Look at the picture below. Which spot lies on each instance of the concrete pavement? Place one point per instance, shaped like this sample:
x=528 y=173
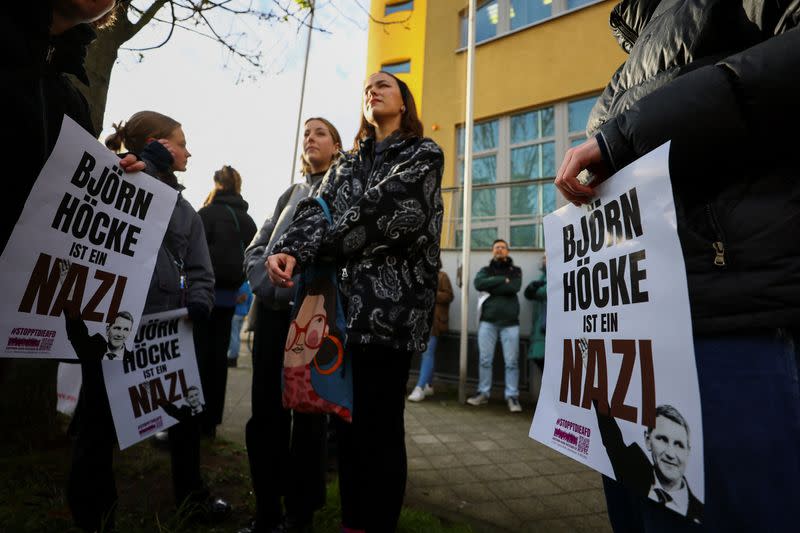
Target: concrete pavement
x=473 y=465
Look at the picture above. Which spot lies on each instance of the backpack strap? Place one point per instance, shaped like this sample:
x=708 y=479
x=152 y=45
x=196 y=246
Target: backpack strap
x=325 y=209
x=238 y=229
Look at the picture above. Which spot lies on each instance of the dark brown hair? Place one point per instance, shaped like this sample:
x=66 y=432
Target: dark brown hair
x=410 y=124
x=141 y=126
x=337 y=139
x=226 y=179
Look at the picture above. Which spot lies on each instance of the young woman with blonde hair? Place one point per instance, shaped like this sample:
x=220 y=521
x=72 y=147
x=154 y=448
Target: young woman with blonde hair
x=386 y=205
x=287 y=450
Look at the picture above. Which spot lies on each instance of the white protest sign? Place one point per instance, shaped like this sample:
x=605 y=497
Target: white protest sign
x=620 y=391
x=68 y=387
x=161 y=367
x=87 y=238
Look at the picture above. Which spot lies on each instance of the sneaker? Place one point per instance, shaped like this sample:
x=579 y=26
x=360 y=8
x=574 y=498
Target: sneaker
x=478 y=399
x=428 y=390
x=417 y=395
x=513 y=405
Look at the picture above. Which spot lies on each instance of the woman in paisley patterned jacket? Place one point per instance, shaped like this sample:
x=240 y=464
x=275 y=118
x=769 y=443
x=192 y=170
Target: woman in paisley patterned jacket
x=386 y=206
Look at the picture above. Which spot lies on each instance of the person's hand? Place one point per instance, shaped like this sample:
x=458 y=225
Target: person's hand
x=131 y=163
x=280 y=268
x=585 y=156
x=179 y=414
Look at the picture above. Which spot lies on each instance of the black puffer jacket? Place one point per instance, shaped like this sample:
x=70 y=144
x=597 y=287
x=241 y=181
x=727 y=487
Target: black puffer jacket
x=37 y=94
x=229 y=229
x=720 y=79
x=386 y=206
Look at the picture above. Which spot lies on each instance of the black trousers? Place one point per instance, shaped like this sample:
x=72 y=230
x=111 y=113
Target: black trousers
x=372 y=449
x=211 y=344
x=287 y=450
x=91 y=488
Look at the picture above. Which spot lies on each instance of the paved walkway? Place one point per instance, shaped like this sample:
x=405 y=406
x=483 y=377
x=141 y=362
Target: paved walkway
x=473 y=465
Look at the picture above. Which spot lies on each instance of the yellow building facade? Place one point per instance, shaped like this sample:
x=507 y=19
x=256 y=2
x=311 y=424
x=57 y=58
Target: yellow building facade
x=539 y=67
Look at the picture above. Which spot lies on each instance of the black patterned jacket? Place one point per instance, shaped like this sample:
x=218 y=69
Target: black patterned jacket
x=387 y=222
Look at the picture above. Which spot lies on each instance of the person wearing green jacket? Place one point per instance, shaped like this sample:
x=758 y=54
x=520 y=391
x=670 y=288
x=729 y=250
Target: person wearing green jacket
x=500 y=282
x=537 y=292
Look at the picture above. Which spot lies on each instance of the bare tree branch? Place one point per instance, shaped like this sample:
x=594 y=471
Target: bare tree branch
x=166 y=39
x=146 y=16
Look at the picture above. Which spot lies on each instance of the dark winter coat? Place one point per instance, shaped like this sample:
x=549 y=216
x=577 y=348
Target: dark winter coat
x=386 y=206
x=502 y=280
x=183 y=251
x=227 y=237
x=720 y=79
x=37 y=94
x=537 y=291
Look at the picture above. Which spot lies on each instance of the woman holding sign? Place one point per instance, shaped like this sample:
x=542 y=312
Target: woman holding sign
x=734 y=176
x=182 y=278
x=385 y=202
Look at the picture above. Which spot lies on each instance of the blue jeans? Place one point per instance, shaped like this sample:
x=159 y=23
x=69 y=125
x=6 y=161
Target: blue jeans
x=236 y=341
x=426 y=365
x=487 y=340
x=751 y=431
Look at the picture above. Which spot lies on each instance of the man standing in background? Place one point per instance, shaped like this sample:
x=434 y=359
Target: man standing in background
x=499 y=316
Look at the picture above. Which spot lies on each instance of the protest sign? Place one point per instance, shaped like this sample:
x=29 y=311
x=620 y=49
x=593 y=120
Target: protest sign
x=68 y=387
x=87 y=239
x=620 y=391
x=162 y=367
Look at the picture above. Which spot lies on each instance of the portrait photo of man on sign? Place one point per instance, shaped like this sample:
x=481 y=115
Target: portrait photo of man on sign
x=662 y=477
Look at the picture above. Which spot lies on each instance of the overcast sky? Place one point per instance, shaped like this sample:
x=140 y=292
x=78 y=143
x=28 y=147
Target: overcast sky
x=249 y=125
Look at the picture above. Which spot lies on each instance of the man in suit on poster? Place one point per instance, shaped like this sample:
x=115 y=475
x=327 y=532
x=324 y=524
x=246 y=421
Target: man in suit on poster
x=661 y=480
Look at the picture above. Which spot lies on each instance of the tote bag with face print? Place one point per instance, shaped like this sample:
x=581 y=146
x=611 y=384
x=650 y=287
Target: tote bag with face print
x=317 y=374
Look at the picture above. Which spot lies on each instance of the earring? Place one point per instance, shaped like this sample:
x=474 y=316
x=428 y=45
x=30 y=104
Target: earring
x=402 y=109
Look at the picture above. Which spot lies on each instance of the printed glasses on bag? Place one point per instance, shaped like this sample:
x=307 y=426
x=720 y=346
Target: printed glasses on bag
x=314 y=330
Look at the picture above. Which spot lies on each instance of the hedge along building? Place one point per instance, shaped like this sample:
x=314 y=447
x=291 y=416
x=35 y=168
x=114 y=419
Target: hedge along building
x=539 y=67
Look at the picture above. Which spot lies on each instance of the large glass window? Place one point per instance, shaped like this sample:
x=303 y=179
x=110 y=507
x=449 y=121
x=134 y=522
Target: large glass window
x=497 y=17
x=400 y=67
x=575 y=4
x=514 y=163
x=395 y=8
x=487 y=18
x=524 y=12
x=577 y=117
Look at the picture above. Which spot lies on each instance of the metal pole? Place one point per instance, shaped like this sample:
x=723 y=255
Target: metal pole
x=466 y=214
x=302 y=97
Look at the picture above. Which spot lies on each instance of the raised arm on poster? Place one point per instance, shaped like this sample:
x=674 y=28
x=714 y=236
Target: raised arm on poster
x=620 y=391
x=157 y=384
x=87 y=238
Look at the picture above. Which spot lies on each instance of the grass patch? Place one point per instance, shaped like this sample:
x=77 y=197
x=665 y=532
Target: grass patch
x=32 y=495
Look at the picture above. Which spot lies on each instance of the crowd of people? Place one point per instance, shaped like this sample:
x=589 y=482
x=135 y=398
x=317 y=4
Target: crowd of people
x=376 y=212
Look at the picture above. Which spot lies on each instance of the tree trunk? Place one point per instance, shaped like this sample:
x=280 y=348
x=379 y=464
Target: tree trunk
x=99 y=64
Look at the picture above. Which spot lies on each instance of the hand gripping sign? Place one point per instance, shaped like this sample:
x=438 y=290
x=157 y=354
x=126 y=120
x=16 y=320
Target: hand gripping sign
x=87 y=239
x=620 y=391
x=157 y=384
